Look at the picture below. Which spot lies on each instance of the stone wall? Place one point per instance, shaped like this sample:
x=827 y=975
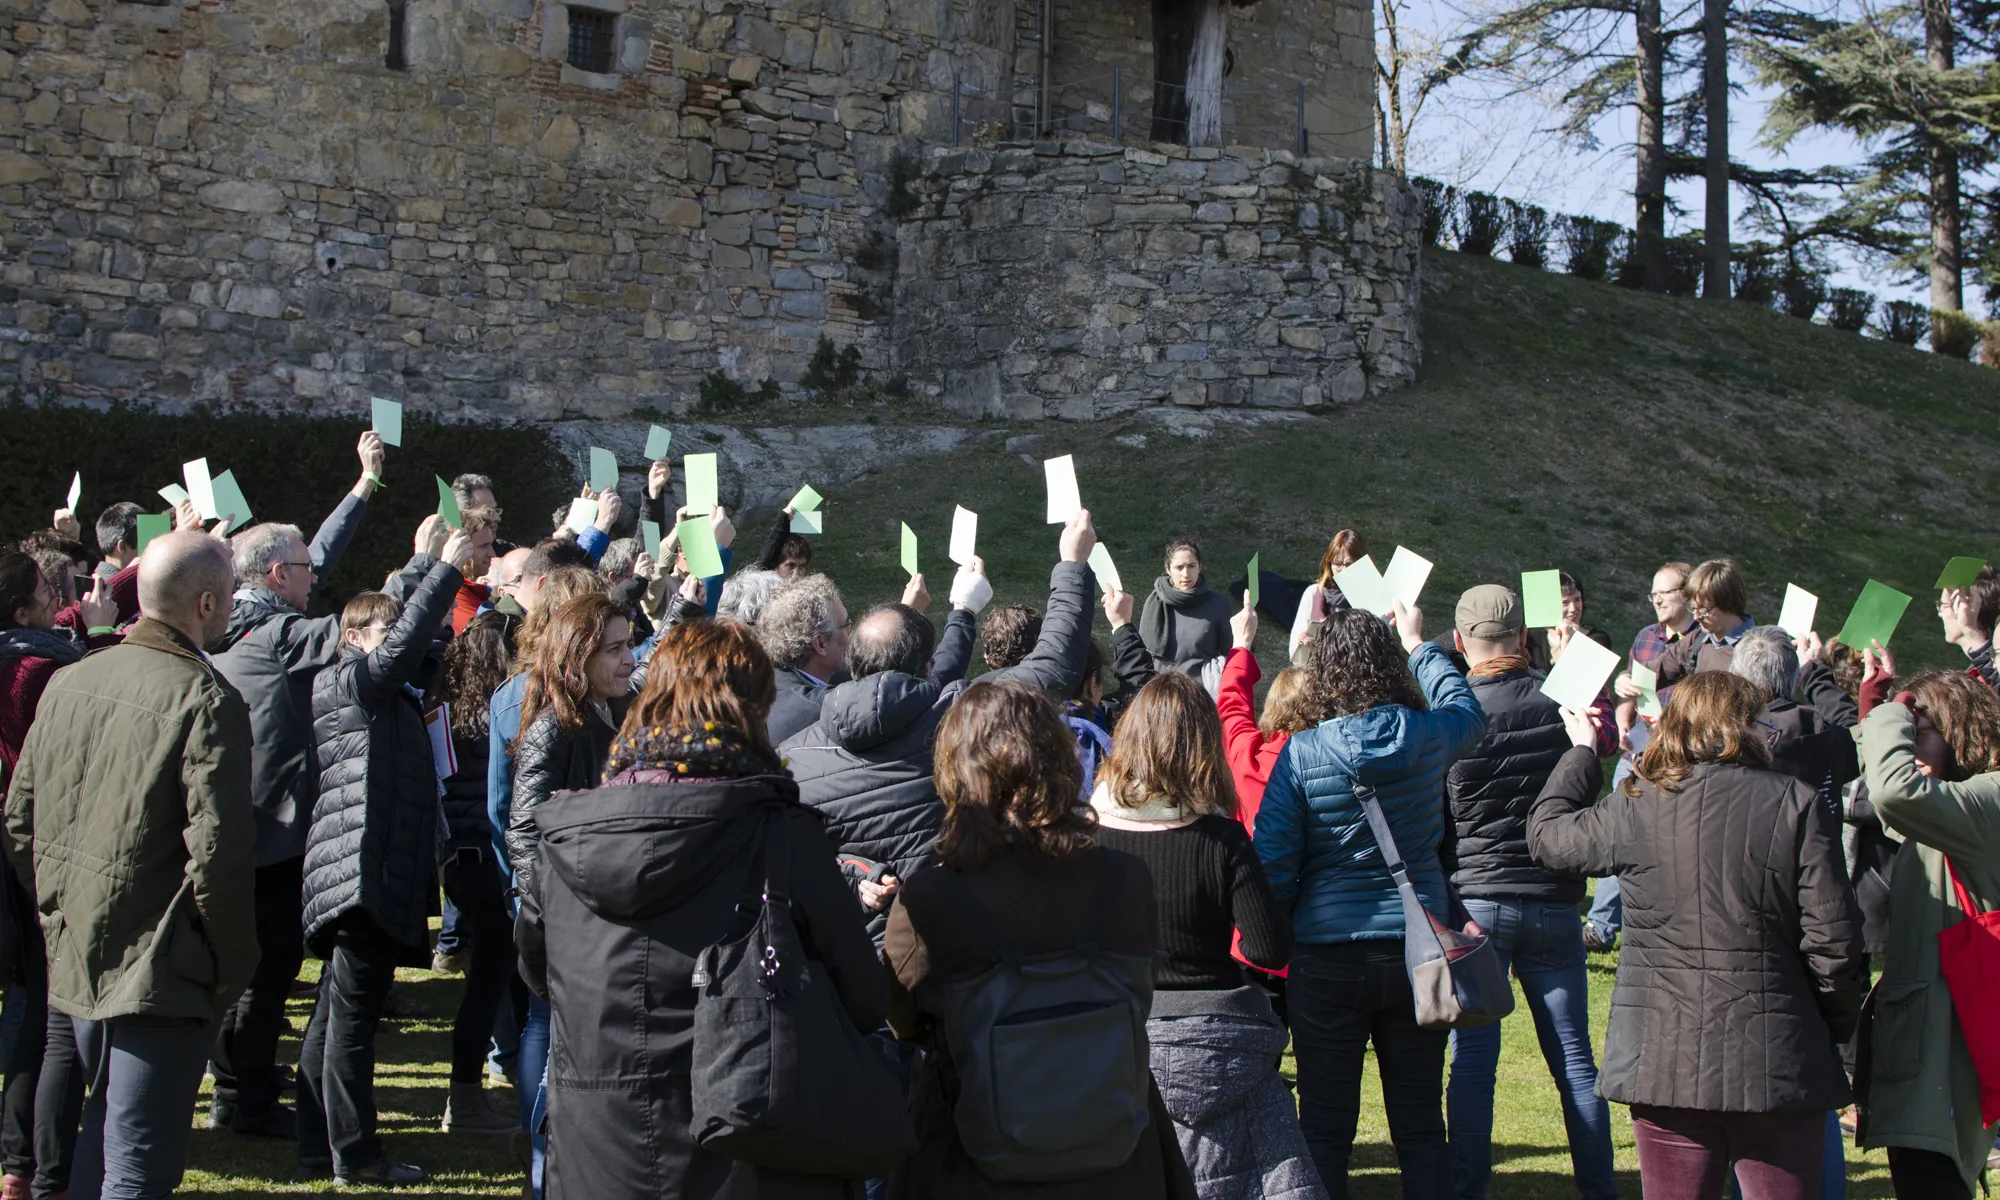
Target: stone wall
x=263 y=201
x=1084 y=279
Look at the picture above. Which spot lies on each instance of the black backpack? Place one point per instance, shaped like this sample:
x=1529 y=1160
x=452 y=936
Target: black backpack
x=782 y=1079
x=1050 y=1052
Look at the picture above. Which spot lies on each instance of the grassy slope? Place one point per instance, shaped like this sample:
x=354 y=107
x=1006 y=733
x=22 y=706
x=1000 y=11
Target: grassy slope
x=1558 y=423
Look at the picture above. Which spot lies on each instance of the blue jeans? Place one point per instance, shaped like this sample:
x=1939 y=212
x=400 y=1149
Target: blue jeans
x=1833 y=1165
x=144 y=1075
x=532 y=1082
x=1545 y=945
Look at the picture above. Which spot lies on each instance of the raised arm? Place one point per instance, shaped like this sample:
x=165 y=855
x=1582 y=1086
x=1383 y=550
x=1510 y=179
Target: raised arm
x=1958 y=818
x=1565 y=831
x=400 y=657
x=1235 y=700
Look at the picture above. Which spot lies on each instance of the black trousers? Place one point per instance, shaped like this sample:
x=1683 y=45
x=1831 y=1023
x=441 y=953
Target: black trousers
x=337 y=1061
x=1925 y=1175
x=1340 y=997
x=246 y=1045
x=41 y=1105
x=472 y=885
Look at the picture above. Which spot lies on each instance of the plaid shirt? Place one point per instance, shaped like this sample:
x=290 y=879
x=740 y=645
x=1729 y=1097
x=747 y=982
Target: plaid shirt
x=1651 y=645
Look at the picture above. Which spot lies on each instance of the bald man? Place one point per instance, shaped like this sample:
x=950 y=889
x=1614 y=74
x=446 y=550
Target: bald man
x=129 y=821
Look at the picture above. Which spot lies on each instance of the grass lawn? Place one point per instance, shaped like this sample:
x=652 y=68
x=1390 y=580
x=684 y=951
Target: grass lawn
x=1531 y=1157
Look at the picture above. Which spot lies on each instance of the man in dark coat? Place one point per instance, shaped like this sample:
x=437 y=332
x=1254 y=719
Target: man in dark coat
x=804 y=630
x=865 y=764
x=271 y=654
x=1803 y=745
x=370 y=855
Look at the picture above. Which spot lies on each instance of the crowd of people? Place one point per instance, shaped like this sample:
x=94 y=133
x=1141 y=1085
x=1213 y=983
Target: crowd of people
x=754 y=894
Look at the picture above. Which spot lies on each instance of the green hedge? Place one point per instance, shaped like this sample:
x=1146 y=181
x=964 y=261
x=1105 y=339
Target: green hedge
x=292 y=468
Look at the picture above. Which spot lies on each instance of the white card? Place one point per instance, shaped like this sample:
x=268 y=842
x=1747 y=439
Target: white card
x=1406 y=575
x=1364 y=587
x=200 y=488
x=810 y=521
x=1579 y=675
x=1801 y=606
x=75 y=490
x=1101 y=565
x=1064 y=499
x=173 y=494
x=964 y=534
x=582 y=514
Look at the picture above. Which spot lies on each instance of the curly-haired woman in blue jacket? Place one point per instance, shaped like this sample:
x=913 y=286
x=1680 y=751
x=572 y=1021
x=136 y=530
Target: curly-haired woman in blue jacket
x=1394 y=724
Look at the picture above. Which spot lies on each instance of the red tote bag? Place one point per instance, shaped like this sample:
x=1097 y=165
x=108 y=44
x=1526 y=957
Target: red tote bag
x=1969 y=952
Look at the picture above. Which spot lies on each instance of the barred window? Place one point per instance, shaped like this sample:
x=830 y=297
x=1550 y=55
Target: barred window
x=593 y=40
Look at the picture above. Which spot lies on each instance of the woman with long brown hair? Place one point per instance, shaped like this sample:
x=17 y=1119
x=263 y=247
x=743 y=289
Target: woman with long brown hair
x=1742 y=969
x=1322 y=596
x=1165 y=797
x=641 y=874
x=1018 y=875
x=1932 y=757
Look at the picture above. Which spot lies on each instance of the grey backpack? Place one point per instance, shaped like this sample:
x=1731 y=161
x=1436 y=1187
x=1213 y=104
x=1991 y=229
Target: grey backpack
x=1050 y=1053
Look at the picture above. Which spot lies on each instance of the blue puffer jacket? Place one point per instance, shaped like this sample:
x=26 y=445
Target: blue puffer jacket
x=1311 y=834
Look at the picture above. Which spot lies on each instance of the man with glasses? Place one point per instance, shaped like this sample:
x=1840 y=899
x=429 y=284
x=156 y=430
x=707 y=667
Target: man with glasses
x=271 y=654
x=1676 y=622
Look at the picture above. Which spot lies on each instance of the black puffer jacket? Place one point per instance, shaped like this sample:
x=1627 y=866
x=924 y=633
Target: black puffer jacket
x=546 y=761
x=639 y=876
x=373 y=839
x=466 y=824
x=1822 y=757
x=1742 y=969
x=1493 y=787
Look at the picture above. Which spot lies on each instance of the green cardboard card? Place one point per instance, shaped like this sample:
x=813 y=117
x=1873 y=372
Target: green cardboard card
x=1362 y=584
x=698 y=476
x=650 y=530
x=809 y=522
x=1408 y=572
x=1649 y=688
x=1541 y=599
x=964 y=535
x=1801 y=606
x=75 y=491
x=658 y=441
x=448 y=504
x=909 y=549
x=200 y=488
x=807 y=500
x=1250 y=586
x=174 y=494
x=1958 y=573
x=153 y=525
x=603 y=469
x=388 y=420
x=697 y=539
x=582 y=514
x=229 y=502
x=1105 y=570
x=1874 y=617
x=1579 y=675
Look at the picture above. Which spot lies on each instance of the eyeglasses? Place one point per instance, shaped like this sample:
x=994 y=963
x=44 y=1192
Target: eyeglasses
x=1657 y=596
x=1699 y=608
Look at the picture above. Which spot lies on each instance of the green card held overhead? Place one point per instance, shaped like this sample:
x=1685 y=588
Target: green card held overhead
x=582 y=514
x=1541 y=599
x=448 y=504
x=229 y=502
x=152 y=525
x=808 y=522
x=697 y=539
x=1958 y=573
x=1874 y=617
x=1649 y=688
x=1362 y=584
x=603 y=469
x=1250 y=587
x=909 y=548
x=698 y=476
x=659 y=440
x=174 y=494
x=807 y=500
x=650 y=531
x=388 y=420
x=1579 y=675
x=75 y=491
x=1408 y=572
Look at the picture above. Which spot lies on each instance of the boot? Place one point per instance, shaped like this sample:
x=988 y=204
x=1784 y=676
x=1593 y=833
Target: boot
x=466 y=1111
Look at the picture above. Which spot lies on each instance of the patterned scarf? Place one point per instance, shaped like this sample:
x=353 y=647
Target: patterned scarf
x=709 y=751
x=1499 y=666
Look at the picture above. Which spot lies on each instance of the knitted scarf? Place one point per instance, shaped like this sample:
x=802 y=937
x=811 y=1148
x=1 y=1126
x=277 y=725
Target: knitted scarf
x=24 y=642
x=709 y=751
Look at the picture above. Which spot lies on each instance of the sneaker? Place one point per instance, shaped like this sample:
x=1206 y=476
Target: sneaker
x=466 y=1111
x=402 y=1008
x=273 y=1123
x=453 y=963
x=387 y=1171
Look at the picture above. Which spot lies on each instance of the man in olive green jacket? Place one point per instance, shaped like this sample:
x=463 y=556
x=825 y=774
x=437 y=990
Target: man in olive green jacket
x=129 y=821
x=1919 y=1092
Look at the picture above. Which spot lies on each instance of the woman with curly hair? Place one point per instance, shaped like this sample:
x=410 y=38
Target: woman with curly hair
x=1391 y=719
x=1017 y=866
x=1932 y=757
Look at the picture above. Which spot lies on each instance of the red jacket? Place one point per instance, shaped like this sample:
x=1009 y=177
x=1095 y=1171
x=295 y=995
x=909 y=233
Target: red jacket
x=23 y=679
x=1251 y=755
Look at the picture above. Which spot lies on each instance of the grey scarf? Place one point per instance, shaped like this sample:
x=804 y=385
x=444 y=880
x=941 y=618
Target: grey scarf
x=23 y=642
